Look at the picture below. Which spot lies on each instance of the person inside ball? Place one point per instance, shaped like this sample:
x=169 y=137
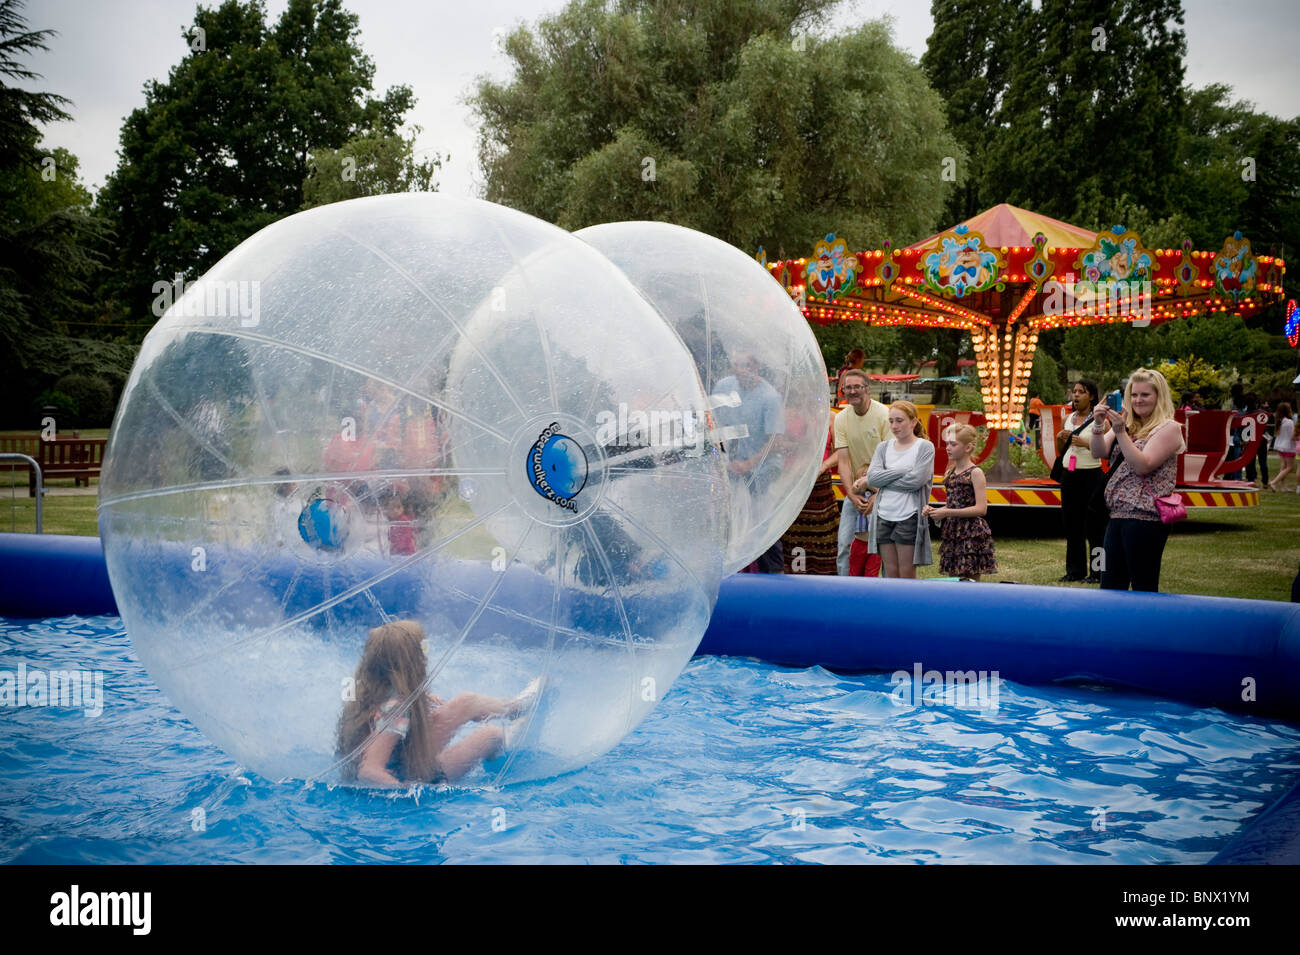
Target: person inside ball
x=754 y=460
x=385 y=738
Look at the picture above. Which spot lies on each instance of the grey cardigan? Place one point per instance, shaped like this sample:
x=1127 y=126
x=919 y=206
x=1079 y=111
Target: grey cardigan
x=916 y=479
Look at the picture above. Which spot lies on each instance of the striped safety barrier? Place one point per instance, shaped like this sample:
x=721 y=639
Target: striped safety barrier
x=1049 y=495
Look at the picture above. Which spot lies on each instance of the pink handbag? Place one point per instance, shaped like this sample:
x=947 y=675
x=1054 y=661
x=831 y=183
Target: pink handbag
x=1170 y=507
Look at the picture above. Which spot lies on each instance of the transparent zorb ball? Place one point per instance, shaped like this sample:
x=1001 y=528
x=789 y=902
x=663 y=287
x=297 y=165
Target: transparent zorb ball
x=408 y=408
x=758 y=361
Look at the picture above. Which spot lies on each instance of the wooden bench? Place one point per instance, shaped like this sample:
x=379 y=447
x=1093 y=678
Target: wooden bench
x=76 y=457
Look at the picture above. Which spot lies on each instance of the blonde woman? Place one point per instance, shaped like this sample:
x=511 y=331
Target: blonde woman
x=1149 y=442
x=901 y=471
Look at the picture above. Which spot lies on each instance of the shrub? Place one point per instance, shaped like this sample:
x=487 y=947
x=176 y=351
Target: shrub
x=93 y=397
x=67 y=413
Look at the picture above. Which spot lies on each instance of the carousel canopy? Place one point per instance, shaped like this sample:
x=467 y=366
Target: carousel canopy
x=1013 y=226
x=1007 y=274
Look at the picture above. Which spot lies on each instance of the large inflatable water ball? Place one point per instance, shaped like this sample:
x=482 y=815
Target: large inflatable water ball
x=416 y=408
x=758 y=360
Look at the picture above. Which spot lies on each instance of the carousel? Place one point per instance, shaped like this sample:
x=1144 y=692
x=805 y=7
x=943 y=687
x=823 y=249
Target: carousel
x=1007 y=275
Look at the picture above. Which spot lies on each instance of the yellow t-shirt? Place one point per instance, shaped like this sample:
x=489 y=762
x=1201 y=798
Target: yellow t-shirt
x=860 y=433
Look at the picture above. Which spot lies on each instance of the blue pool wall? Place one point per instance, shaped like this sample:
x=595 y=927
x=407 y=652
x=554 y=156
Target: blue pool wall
x=1234 y=654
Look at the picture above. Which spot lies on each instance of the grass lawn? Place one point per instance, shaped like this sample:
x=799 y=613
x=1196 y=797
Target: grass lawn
x=1218 y=552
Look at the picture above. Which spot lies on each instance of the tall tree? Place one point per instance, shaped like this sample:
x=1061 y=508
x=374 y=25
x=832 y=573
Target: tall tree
x=968 y=62
x=22 y=111
x=370 y=164
x=221 y=148
x=729 y=116
x=1063 y=100
x=1094 y=99
x=48 y=238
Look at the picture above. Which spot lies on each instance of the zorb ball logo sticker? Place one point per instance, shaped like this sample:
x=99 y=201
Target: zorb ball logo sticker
x=323 y=523
x=557 y=467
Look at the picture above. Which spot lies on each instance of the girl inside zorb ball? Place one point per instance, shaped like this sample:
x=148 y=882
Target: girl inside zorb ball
x=443 y=422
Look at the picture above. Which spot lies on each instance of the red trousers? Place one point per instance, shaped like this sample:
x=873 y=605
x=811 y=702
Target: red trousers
x=861 y=563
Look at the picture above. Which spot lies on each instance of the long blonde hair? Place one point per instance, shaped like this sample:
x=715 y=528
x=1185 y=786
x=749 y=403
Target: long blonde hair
x=909 y=409
x=1164 y=410
x=962 y=434
x=392 y=667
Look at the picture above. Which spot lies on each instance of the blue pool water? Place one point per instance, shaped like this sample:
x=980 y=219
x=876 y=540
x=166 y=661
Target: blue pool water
x=741 y=762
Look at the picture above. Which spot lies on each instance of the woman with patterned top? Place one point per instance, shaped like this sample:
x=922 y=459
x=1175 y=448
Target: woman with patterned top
x=1149 y=441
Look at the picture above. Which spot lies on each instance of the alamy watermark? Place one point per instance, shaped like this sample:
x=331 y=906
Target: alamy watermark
x=205 y=298
x=966 y=689
x=1120 y=297
x=77 y=907
x=662 y=430
x=73 y=689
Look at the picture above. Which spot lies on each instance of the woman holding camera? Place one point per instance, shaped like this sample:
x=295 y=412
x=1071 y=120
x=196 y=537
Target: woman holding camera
x=1149 y=442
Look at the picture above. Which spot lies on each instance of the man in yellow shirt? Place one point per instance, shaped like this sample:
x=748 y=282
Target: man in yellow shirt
x=858 y=429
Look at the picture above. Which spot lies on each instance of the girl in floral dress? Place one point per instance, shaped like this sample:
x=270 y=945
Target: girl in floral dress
x=967 y=548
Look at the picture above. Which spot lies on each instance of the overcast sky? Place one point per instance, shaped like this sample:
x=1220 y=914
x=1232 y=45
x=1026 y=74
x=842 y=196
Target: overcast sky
x=107 y=49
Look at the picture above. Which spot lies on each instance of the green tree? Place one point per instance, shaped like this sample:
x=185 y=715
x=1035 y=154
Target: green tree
x=370 y=164
x=221 y=148
x=1226 y=345
x=1191 y=374
x=48 y=239
x=22 y=111
x=878 y=343
x=1240 y=170
x=1055 y=102
x=943 y=346
x=968 y=61
x=731 y=117
x=1045 y=379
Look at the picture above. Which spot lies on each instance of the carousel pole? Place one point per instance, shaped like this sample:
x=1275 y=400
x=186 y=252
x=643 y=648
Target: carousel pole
x=1004 y=355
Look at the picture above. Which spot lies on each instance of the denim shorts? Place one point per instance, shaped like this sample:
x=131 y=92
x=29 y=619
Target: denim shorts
x=902 y=533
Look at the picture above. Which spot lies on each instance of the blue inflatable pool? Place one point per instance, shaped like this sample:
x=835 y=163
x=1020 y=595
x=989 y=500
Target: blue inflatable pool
x=1234 y=654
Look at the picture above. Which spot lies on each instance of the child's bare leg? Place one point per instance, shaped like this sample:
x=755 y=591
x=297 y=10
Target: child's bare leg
x=457 y=760
x=474 y=708
x=459 y=710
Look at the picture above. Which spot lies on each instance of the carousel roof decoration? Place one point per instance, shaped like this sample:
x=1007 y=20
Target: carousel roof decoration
x=1187 y=271
x=1008 y=274
x=1235 y=269
x=1116 y=256
x=833 y=270
x=962 y=262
